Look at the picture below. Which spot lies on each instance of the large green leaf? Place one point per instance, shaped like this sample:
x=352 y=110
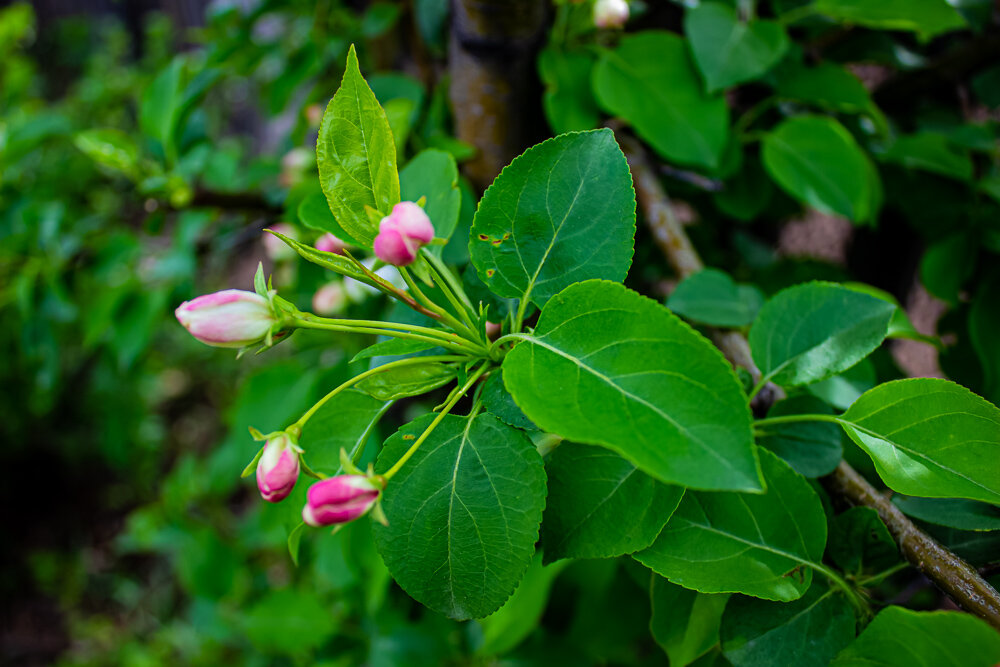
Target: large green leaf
x=730 y=51
x=609 y=367
x=433 y=174
x=649 y=81
x=929 y=437
x=925 y=17
x=806 y=633
x=711 y=297
x=818 y=162
x=812 y=448
x=356 y=156
x=562 y=212
x=684 y=623
x=463 y=513
x=600 y=505
x=756 y=544
x=809 y=332
x=902 y=638
x=569 y=98
x=344 y=422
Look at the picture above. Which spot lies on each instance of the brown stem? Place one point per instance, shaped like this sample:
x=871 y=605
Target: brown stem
x=956 y=577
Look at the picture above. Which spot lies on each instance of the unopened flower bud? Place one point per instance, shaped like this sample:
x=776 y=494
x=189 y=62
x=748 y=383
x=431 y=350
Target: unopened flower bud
x=610 y=13
x=231 y=318
x=339 y=500
x=330 y=299
x=330 y=243
x=275 y=248
x=402 y=233
x=295 y=165
x=278 y=468
x=314 y=115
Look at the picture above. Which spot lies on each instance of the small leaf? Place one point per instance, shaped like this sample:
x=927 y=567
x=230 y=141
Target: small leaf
x=328 y=260
x=294 y=542
x=902 y=638
x=843 y=389
x=463 y=513
x=569 y=99
x=609 y=367
x=859 y=542
x=684 y=623
x=925 y=17
x=600 y=505
x=109 y=148
x=406 y=381
x=755 y=544
x=929 y=437
x=562 y=212
x=498 y=402
x=950 y=512
x=729 y=51
x=392 y=348
x=809 y=332
x=356 y=156
x=812 y=448
x=827 y=85
x=930 y=152
x=711 y=297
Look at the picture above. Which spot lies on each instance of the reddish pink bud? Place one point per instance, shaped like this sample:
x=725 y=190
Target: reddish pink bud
x=330 y=299
x=278 y=469
x=402 y=233
x=492 y=330
x=277 y=249
x=231 y=318
x=610 y=13
x=339 y=500
x=330 y=243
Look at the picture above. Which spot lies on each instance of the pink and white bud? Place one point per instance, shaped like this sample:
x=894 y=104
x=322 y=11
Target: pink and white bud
x=330 y=243
x=339 y=499
x=230 y=318
x=314 y=115
x=330 y=299
x=402 y=233
x=492 y=330
x=610 y=13
x=278 y=468
x=276 y=249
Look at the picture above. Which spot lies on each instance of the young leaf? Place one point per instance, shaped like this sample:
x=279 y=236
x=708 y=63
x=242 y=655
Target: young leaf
x=684 y=623
x=600 y=505
x=812 y=448
x=463 y=513
x=729 y=51
x=649 y=81
x=711 y=297
x=356 y=156
x=498 y=402
x=902 y=638
x=407 y=381
x=562 y=212
x=806 y=633
x=817 y=161
x=343 y=422
x=609 y=367
x=755 y=544
x=809 y=332
x=929 y=437
x=328 y=260
x=433 y=174
x=393 y=347
x=951 y=512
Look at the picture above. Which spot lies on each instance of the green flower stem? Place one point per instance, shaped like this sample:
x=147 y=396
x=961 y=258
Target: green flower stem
x=446 y=317
x=858 y=602
x=444 y=339
x=792 y=419
x=361 y=376
x=883 y=575
x=447 y=277
x=437 y=420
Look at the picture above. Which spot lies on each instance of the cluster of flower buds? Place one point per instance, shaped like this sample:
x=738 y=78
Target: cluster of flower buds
x=231 y=318
x=402 y=233
x=610 y=13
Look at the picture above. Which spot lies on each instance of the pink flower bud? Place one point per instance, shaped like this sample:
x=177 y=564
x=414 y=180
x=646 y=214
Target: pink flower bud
x=402 y=233
x=276 y=249
x=330 y=243
x=278 y=468
x=339 y=500
x=610 y=13
x=330 y=299
x=231 y=318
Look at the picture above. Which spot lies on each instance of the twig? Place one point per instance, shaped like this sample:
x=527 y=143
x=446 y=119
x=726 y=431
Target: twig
x=952 y=574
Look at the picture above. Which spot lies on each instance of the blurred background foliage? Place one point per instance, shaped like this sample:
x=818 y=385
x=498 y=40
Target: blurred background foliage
x=139 y=162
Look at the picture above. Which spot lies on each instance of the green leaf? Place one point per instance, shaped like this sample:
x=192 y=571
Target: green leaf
x=314 y=211
x=600 y=505
x=328 y=260
x=160 y=106
x=950 y=512
x=806 y=633
x=433 y=174
x=711 y=297
x=826 y=85
x=649 y=81
x=900 y=326
x=288 y=621
x=609 y=367
x=684 y=623
x=984 y=330
x=343 y=422
x=755 y=544
x=569 y=98
x=844 y=388
x=818 y=162
x=811 y=331
x=925 y=17
x=392 y=348
x=294 y=542
x=562 y=212
x=811 y=448
x=859 y=541
x=356 y=156
x=110 y=148
x=406 y=381
x=930 y=152
x=463 y=513
x=902 y=638
x=729 y=51
x=947 y=265
x=498 y=401
x=929 y=437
